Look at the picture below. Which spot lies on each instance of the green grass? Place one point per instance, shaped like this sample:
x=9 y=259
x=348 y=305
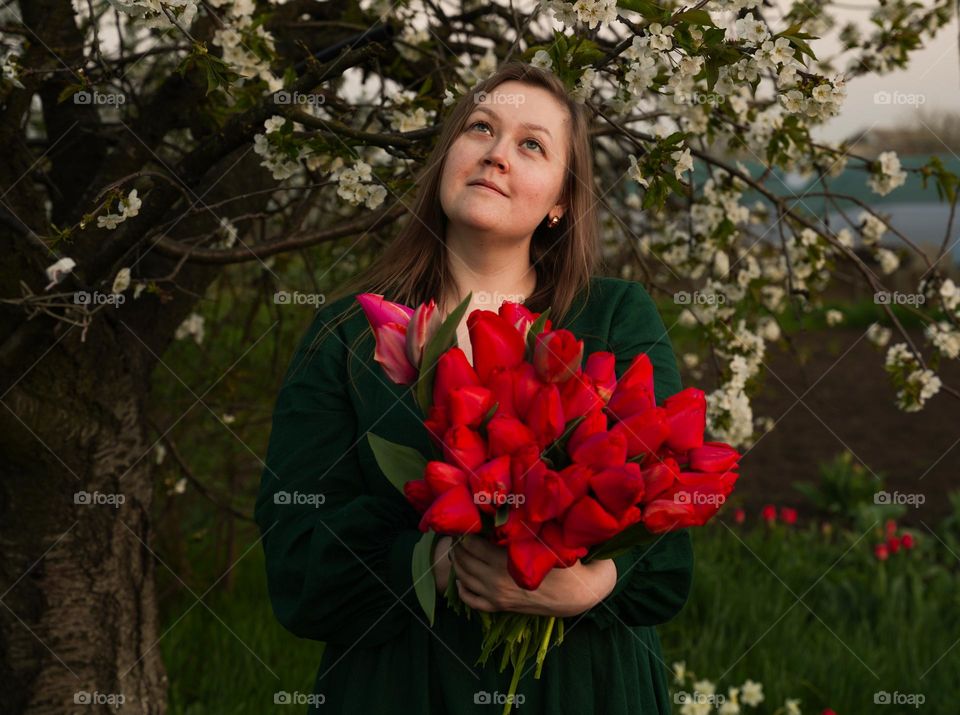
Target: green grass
x=863 y=627
x=213 y=657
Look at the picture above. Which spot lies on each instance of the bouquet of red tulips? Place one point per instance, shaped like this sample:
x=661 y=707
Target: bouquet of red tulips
x=540 y=451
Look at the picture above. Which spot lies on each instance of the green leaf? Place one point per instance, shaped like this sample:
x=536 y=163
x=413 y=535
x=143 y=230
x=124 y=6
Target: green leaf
x=424 y=582
x=501 y=516
x=398 y=462
x=442 y=340
x=693 y=17
x=536 y=327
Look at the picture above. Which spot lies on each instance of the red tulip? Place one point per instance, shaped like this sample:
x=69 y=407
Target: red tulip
x=437 y=423
x=389 y=323
x=907 y=541
x=587 y=523
x=604 y=449
x=893 y=544
x=468 y=405
x=526 y=386
x=635 y=390
x=545 y=416
x=423 y=325
x=828 y=711
x=441 y=476
x=464 y=448
x=739 y=516
x=419 y=493
x=522 y=461
x=593 y=422
x=495 y=343
x=453 y=371
x=546 y=494
x=490 y=484
x=577 y=478
x=552 y=536
x=659 y=477
x=687 y=417
x=579 y=397
x=618 y=488
x=453 y=512
x=713 y=457
x=520 y=317
x=557 y=355
x=645 y=431
x=601 y=368
x=769 y=513
x=501 y=384
x=507 y=434
x=881 y=552
x=529 y=561
x=891 y=527
x=667 y=514
x=788 y=515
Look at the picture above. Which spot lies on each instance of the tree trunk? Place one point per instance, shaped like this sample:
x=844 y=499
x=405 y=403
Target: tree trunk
x=79 y=616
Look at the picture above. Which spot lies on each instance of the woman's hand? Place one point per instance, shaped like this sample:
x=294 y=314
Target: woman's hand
x=442 y=561
x=485 y=584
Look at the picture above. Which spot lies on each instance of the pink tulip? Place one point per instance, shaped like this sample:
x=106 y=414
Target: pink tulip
x=424 y=324
x=389 y=322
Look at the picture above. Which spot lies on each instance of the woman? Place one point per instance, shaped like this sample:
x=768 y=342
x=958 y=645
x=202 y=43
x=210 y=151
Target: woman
x=505 y=209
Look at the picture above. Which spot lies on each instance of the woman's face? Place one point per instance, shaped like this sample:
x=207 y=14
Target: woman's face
x=516 y=138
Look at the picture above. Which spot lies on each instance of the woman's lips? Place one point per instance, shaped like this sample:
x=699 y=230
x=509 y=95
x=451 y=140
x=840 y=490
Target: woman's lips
x=487 y=188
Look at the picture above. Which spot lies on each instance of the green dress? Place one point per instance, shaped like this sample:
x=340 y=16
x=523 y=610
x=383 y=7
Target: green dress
x=338 y=540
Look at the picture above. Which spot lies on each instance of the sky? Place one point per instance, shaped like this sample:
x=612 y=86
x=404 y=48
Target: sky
x=933 y=76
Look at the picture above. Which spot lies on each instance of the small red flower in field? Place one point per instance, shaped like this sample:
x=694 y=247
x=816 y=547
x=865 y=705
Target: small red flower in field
x=739 y=516
x=893 y=543
x=769 y=513
x=881 y=552
x=907 y=541
x=891 y=527
x=788 y=515
x=828 y=711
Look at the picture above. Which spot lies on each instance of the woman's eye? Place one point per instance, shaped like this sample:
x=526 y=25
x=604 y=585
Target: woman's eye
x=537 y=144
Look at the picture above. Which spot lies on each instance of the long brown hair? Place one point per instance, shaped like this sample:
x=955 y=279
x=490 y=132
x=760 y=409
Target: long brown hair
x=414 y=268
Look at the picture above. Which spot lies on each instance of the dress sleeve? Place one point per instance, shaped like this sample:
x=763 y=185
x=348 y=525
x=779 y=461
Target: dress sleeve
x=653 y=579
x=338 y=559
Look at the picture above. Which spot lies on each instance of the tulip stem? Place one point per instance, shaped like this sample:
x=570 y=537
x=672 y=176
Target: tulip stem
x=544 y=644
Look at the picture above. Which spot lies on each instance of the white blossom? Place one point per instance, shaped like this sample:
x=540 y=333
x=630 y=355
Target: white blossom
x=59 y=270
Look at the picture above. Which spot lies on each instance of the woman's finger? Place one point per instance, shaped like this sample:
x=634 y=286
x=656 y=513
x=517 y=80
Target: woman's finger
x=474 y=600
x=474 y=546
